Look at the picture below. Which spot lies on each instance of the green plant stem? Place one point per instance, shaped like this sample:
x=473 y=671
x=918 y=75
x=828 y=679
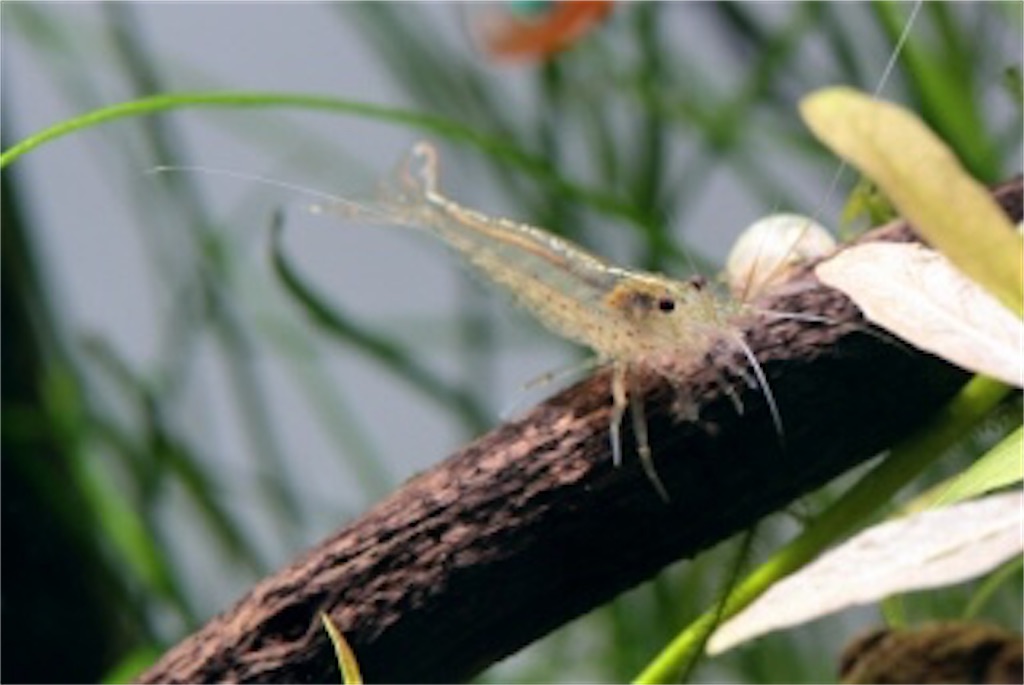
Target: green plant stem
x=989 y=587
x=170 y=101
x=871 y=493
x=701 y=639
x=895 y=612
x=499 y=148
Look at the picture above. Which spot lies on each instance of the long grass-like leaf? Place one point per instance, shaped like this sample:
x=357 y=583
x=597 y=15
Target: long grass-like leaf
x=496 y=147
x=350 y=674
x=1000 y=467
x=160 y=444
x=383 y=350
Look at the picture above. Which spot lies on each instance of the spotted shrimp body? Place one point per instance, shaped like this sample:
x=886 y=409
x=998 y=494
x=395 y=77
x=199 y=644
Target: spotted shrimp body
x=626 y=317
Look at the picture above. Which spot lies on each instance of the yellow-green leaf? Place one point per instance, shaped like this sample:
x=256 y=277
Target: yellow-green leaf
x=926 y=182
x=350 y=674
x=1000 y=467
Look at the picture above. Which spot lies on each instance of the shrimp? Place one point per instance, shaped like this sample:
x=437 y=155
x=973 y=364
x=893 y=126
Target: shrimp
x=628 y=318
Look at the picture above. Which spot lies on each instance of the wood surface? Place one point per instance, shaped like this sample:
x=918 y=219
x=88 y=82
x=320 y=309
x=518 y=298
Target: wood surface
x=531 y=525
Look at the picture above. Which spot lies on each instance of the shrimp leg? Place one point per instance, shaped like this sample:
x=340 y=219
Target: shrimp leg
x=619 y=403
x=623 y=396
x=643 y=447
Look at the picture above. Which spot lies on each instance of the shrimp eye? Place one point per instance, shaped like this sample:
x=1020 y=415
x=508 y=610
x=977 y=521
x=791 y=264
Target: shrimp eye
x=666 y=305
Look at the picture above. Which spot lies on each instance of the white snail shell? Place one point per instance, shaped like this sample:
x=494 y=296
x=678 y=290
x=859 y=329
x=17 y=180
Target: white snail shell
x=770 y=247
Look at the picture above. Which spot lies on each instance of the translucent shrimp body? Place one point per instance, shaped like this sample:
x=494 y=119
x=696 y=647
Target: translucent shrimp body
x=626 y=317
x=618 y=313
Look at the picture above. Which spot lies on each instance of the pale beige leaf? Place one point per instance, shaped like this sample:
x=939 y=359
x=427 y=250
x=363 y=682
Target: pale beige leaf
x=916 y=294
x=934 y=548
x=926 y=182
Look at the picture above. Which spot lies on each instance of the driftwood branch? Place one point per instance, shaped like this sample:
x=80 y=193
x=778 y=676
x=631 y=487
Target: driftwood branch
x=531 y=525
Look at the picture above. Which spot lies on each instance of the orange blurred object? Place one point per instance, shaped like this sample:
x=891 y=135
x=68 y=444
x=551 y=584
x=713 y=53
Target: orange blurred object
x=509 y=37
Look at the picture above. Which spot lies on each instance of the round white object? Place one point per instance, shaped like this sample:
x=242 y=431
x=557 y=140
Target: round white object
x=770 y=247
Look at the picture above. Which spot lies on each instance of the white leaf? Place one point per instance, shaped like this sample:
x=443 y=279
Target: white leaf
x=934 y=548
x=916 y=294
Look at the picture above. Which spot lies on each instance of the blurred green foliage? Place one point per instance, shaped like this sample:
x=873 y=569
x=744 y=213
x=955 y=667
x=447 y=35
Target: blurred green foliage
x=630 y=125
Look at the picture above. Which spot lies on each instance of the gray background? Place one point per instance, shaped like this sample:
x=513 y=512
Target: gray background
x=97 y=257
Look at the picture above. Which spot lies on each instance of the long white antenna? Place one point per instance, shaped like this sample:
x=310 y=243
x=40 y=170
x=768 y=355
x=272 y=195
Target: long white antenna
x=833 y=184
x=890 y=66
x=356 y=207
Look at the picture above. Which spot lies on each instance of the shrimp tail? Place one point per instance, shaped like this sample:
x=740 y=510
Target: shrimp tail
x=415 y=178
x=401 y=199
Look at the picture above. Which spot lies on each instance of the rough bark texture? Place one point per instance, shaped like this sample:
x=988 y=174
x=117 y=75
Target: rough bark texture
x=531 y=525
x=948 y=652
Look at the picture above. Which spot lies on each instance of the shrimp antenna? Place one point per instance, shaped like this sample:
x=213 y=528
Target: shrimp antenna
x=555 y=376
x=758 y=371
x=887 y=71
x=762 y=380
x=356 y=208
x=890 y=66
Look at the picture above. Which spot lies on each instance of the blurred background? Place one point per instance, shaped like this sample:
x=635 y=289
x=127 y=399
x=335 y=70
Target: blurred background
x=186 y=409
